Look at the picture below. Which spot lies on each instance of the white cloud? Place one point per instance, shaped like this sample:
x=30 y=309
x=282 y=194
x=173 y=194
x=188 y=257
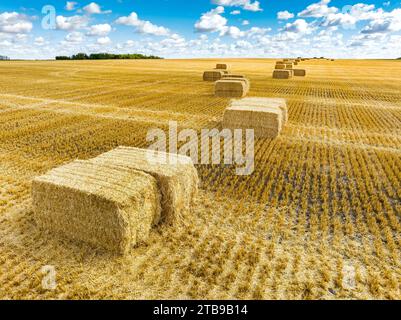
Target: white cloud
x=99 y=30
x=103 y=41
x=13 y=22
x=245 y=4
x=245 y=22
x=39 y=41
x=74 y=37
x=385 y=22
x=70 y=5
x=94 y=8
x=284 y=15
x=233 y=32
x=318 y=10
x=143 y=26
x=211 y=21
x=298 y=26
x=71 y=23
x=235 y=12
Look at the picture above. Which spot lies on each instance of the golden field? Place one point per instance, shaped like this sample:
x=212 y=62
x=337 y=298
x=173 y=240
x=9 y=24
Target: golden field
x=320 y=217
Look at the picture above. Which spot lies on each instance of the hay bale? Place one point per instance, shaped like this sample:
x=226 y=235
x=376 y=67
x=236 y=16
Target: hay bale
x=280 y=66
x=282 y=74
x=299 y=72
x=245 y=80
x=278 y=103
x=264 y=120
x=222 y=66
x=212 y=75
x=103 y=205
x=177 y=177
x=295 y=63
x=230 y=88
x=280 y=62
x=289 y=65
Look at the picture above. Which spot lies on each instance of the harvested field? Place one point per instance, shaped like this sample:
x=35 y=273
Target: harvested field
x=323 y=203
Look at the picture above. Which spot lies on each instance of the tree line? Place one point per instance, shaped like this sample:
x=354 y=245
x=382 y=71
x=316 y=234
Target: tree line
x=106 y=56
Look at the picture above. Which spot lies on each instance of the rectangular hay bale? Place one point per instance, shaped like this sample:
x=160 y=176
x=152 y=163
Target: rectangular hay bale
x=230 y=88
x=280 y=66
x=278 y=103
x=299 y=72
x=103 y=205
x=223 y=66
x=282 y=74
x=212 y=75
x=175 y=174
x=265 y=121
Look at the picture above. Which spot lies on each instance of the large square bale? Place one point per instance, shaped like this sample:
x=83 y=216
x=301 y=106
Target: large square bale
x=230 y=88
x=282 y=74
x=103 y=205
x=244 y=80
x=278 y=103
x=175 y=174
x=265 y=121
x=212 y=75
x=289 y=65
x=280 y=66
x=299 y=72
x=222 y=66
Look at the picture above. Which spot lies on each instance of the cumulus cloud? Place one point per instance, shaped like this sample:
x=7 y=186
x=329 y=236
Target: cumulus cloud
x=211 y=21
x=142 y=26
x=99 y=30
x=103 y=41
x=39 y=41
x=385 y=22
x=284 y=15
x=245 y=4
x=235 y=12
x=318 y=10
x=298 y=26
x=13 y=22
x=70 y=5
x=245 y=23
x=94 y=8
x=74 y=37
x=71 y=23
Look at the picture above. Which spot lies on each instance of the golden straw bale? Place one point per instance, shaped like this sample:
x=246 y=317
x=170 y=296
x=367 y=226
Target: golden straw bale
x=223 y=66
x=104 y=205
x=288 y=65
x=175 y=174
x=282 y=74
x=212 y=75
x=299 y=72
x=231 y=88
x=264 y=102
x=280 y=66
x=245 y=80
x=265 y=121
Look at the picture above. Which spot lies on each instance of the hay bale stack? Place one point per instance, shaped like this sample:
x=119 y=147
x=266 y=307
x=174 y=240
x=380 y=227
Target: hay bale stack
x=230 y=88
x=221 y=66
x=299 y=72
x=280 y=62
x=282 y=74
x=289 y=65
x=266 y=121
x=104 y=205
x=176 y=177
x=278 y=103
x=212 y=75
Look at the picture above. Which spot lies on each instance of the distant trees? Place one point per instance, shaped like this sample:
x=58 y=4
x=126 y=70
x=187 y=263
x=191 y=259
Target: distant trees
x=106 y=56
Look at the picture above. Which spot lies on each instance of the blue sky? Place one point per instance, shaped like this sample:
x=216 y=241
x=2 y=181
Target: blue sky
x=202 y=28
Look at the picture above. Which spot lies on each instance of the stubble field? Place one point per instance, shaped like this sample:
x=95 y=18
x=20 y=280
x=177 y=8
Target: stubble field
x=320 y=217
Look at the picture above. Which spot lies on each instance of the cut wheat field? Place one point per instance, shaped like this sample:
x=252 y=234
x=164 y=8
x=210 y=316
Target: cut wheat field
x=320 y=217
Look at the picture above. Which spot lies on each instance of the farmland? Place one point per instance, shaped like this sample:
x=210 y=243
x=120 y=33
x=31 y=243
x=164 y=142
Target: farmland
x=319 y=218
